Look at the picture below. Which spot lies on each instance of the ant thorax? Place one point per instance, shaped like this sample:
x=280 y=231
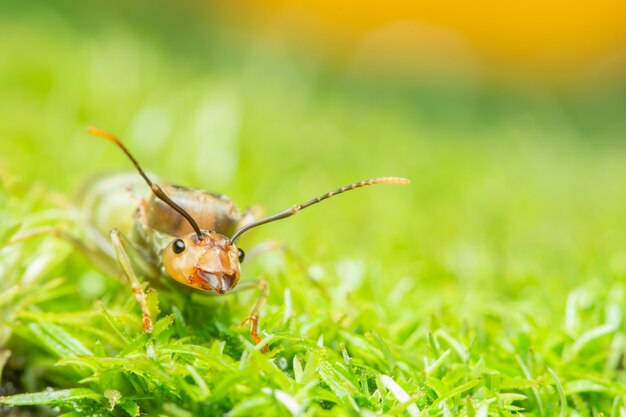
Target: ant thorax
x=211 y=211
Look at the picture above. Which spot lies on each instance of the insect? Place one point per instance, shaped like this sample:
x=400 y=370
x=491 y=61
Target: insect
x=190 y=235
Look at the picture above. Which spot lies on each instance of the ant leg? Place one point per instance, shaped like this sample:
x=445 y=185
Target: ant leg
x=103 y=260
x=253 y=318
x=100 y=257
x=270 y=246
x=119 y=244
x=274 y=245
x=251 y=214
x=33 y=233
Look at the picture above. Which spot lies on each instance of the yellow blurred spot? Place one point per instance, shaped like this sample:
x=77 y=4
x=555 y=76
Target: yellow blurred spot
x=541 y=38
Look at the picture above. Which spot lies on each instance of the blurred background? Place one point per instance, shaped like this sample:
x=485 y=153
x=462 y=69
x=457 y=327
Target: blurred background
x=508 y=117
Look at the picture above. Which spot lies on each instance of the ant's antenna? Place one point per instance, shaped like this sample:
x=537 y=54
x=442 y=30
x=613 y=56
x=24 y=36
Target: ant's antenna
x=156 y=189
x=295 y=209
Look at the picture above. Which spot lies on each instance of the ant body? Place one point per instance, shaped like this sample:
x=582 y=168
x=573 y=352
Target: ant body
x=183 y=233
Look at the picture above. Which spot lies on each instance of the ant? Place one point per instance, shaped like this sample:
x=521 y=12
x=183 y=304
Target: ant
x=183 y=233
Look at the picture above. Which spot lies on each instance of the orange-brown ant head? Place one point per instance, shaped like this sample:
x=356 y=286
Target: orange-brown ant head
x=211 y=263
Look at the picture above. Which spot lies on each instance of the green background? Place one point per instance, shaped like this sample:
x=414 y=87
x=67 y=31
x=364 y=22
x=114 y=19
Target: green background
x=508 y=248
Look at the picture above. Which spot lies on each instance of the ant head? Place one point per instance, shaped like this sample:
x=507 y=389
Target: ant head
x=211 y=263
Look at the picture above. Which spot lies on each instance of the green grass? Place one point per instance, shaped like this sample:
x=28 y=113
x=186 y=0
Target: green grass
x=493 y=285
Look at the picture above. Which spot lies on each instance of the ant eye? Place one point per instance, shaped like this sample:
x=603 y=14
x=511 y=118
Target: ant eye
x=178 y=246
x=242 y=255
